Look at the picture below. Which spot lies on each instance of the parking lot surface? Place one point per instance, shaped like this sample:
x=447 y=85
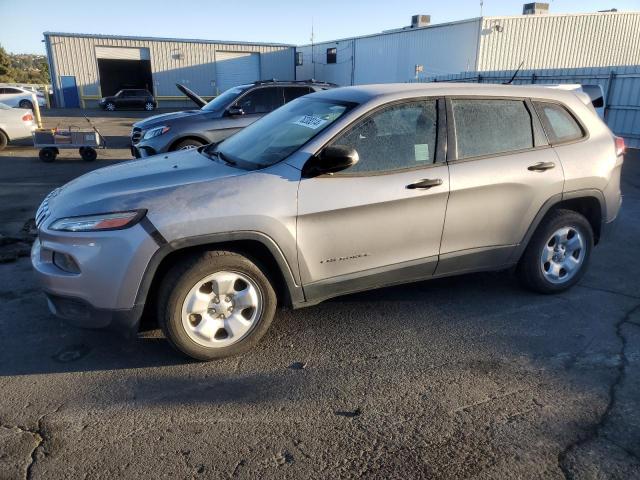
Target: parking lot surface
x=467 y=377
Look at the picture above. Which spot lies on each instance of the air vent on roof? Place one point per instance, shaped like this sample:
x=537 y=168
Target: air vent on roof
x=535 y=8
x=418 y=21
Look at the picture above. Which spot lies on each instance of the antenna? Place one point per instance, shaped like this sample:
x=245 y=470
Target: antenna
x=481 y=5
x=514 y=74
x=313 y=53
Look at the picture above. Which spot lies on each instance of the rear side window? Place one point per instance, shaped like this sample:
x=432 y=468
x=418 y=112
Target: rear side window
x=488 y=127
x=559 y=124
x=261 y=100
x=291 y=93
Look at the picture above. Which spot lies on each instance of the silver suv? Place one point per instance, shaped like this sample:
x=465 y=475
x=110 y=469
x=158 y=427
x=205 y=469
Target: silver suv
x=339 y=191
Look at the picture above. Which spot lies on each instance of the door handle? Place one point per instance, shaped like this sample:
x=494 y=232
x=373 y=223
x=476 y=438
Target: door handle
x=425 y=183
x=541 y=166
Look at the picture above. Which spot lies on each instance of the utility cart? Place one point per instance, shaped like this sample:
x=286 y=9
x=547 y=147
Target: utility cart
x=87 y=141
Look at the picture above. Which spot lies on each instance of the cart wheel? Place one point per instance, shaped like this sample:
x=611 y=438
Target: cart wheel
x=88 y=154
x=48 y=154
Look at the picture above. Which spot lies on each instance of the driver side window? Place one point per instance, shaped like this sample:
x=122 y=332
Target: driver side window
x=261 y=100
x=396 y=137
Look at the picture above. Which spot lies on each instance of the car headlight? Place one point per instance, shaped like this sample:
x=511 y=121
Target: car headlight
x=102 y=100
x=101 y=222
x=156 y=132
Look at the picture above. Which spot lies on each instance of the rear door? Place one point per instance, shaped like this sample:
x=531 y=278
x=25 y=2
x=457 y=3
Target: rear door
x=380 y=221
x=502 y=171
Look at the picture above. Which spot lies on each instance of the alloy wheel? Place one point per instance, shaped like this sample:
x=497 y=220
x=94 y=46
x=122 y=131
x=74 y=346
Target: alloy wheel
x=221 y=309
x=563 y=255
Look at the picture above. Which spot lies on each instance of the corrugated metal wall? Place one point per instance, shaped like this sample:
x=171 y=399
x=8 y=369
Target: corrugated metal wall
x=559 y=41
x=191 y=63
x=439 y=49
x=620 y=84
x=393 y=56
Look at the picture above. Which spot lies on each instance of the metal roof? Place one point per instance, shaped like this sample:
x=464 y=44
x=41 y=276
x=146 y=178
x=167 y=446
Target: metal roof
x=162 y=39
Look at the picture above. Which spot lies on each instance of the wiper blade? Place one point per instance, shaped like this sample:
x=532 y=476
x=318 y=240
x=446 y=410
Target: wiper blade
x=224 y=158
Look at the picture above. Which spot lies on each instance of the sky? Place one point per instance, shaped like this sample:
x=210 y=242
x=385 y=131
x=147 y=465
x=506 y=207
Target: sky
x=283 y=21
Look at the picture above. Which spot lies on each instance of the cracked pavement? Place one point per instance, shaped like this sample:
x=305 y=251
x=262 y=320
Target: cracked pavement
x=467 y=377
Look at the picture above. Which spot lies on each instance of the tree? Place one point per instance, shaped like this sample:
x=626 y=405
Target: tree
x=5 y=66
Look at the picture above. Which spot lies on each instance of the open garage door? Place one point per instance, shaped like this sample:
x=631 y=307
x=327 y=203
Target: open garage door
x=123 y=67
x=236 y=68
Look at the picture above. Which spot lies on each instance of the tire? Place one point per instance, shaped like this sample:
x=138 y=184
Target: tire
x=4 y=140
x=198 y=285
x=149 y=106
x=558 y=253
x=26 y=104
x=48 y=155
x=187 y=144
x=88 y=154
x=110 y=107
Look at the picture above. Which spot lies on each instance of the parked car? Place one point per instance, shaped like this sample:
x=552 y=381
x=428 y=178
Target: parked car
x=226 y=114
x=129 y=99
x=21 y=97
x=15 y=123
x=595 y=93
x=339 y=191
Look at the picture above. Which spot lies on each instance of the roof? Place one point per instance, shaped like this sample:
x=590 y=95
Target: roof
x=163 y=39
x=394 y=91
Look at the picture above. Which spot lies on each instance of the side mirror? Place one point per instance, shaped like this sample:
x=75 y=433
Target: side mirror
x=235 y=110
x=331 y=160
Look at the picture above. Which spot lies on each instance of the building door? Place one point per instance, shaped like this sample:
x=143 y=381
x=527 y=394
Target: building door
x=70 y=91
x=236 y=68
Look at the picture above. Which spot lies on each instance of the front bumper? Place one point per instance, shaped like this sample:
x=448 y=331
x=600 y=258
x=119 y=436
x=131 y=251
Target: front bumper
x=104 y=293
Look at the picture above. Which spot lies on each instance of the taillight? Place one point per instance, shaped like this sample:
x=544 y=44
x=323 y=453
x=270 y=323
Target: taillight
x=621 y=148
x=27 y=117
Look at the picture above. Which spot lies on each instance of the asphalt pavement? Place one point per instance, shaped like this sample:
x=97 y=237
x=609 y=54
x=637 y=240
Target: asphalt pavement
x=466 y=377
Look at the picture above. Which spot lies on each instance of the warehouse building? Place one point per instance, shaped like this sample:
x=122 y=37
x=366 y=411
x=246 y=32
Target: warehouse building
x=86 y=67
x=535 y=40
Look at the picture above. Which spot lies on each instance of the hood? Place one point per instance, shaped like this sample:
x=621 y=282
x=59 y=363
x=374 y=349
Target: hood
x=133 y=184
x=161 y=119
x=197 y=99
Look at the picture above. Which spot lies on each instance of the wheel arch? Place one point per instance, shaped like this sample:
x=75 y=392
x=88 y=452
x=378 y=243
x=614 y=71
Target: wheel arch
x=3 y=131
x=256 y=246
x=589 y=203
x=176 y=141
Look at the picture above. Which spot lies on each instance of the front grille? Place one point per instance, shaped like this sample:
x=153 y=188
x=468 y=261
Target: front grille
x=136 y=135
x=43 y=210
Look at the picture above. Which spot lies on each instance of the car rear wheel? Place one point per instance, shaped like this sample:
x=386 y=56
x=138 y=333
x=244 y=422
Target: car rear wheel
x=187 y=144
x=558 y=253
x=4 y=140
x=215 y=305
x=110 y=106
x=26 y=104
x=149 y=106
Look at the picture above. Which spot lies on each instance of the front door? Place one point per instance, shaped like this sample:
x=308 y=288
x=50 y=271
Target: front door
x=380 y=221
x=502 y=171
x=69 y=91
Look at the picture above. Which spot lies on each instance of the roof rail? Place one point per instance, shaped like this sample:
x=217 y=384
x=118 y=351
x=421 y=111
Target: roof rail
x=310 y=80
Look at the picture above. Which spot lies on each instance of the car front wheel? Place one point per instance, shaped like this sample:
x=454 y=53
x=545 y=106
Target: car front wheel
x=558 y=253
x=215 y=305
x=26 y=104
x=149 y=106
x=110 y=106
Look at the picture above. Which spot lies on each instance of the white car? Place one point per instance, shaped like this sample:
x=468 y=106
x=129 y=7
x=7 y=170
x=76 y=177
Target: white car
x=21 y=97
x=15 y=123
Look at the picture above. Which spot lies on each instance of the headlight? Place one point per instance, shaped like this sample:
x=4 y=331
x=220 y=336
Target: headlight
x=156 y=132
x=102 y=100
x=93 y=223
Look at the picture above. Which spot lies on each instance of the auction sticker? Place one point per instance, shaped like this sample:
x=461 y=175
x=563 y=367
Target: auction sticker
x=310 y=121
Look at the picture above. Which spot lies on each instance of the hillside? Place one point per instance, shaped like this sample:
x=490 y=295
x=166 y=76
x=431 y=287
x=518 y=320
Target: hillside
x=23 y=68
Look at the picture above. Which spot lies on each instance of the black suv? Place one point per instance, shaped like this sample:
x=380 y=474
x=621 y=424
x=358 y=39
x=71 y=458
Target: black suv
x=223 y=116
x=129 y=98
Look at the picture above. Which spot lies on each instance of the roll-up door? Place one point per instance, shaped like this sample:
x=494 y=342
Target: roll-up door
x=236 y=68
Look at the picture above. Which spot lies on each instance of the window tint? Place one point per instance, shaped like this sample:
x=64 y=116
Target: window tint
x=291 y=93
x=486 y=127
x=299 y=59
x=332 y=55
x=399 y=136
x=558 y=123
x=261 y=100
x=12 y=90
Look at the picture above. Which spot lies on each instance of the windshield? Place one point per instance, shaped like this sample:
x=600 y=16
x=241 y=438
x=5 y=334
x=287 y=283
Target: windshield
x=277 y=135
x=225 y=98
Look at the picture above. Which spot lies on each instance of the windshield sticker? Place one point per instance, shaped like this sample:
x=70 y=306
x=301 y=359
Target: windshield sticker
x=310 y=121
